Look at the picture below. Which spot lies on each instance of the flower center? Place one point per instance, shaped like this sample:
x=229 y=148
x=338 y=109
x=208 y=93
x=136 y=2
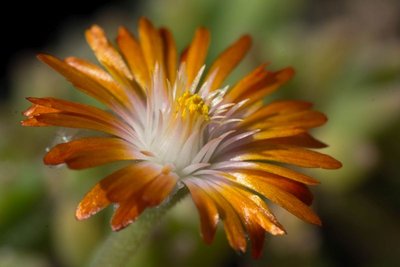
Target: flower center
x=192 y=105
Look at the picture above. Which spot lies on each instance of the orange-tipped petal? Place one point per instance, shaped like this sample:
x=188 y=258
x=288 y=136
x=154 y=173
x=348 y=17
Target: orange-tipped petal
x=57 y=112
x=197 y=53
x=90 y=152
x=228 y=60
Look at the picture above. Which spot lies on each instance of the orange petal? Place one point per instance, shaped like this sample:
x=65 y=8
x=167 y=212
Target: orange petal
x=255 y=215
x=228 y=60
x=297 y=189
x=277 y=133
x=302 y=140
x=126 y=213
x=158 y=189
x=94 y=201
x=274 y=108
x=100 y=76
x=257 y=93
x=249 y=206
x=280 y=197
x=207 y=210
x=255 y=79
x=197 y=53
x=274 y=169
x=70 y=121
x=151 y=44
x=232 y=224
x=258 y=84
x=108 y=55
x=170 y=54
x=127 y=182
x=151 y=194
x=303 y=119
x=38 y=109
x=133 y=54
x=297 y=156
x=54 y=105
x=119 y=187
x=257 y=237
x=69 y=114
x=90 y=152
x=79 y=79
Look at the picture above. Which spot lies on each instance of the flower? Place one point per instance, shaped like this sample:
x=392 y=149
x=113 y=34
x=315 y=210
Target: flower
x=176 y=126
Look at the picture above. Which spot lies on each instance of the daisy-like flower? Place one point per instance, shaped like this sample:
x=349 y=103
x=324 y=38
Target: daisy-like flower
x=176 y=124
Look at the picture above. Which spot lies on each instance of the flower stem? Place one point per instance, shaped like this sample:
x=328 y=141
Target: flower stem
x=119 y=249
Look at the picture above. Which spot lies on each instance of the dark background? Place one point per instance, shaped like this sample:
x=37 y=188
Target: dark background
x=37 y=26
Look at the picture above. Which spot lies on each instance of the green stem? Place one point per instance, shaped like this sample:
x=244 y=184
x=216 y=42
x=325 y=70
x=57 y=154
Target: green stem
x=119 y=248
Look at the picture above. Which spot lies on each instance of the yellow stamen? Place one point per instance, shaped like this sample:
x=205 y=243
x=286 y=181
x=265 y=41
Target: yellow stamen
x=193 y=104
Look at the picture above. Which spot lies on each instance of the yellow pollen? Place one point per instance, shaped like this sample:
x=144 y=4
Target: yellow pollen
x=193 y=104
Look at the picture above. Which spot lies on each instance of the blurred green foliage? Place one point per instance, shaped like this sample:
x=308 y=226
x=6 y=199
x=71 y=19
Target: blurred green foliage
x=347 y=57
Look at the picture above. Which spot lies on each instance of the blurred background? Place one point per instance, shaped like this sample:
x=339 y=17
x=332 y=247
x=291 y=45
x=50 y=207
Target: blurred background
x=347 y=57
